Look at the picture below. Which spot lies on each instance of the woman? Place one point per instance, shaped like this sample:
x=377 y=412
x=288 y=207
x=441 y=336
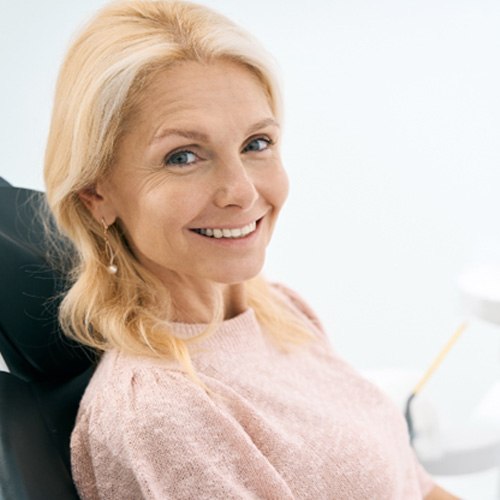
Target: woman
x=163 y=167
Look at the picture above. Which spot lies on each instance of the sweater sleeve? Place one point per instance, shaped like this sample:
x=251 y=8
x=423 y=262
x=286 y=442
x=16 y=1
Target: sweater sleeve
x=164 y=438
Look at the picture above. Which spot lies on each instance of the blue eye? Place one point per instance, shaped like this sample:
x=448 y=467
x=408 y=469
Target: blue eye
x=180 y=158
x=258 y=144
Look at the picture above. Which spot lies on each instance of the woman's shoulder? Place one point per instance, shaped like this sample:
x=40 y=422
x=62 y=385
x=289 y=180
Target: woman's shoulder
x=126 y=387
x=140 y=418
x=298 y=304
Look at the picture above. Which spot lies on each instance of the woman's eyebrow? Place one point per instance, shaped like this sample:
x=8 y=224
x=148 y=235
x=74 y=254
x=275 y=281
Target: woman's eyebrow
x=263 y=123
x=188 y=134
x=200 y=136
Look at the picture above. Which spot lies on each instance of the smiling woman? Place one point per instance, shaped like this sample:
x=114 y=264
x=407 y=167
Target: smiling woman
x=163 y=167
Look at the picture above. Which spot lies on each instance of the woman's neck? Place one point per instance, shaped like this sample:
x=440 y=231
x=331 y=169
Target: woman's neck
x=201 y=304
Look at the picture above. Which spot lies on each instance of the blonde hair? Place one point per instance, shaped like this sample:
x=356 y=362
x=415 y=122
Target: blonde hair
x=101 y=80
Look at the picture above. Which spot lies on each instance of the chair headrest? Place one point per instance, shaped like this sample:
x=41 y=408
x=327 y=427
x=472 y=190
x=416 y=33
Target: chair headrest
x=31 y=341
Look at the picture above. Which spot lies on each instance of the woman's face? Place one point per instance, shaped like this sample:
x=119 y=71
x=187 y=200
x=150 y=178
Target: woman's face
x=198 y=182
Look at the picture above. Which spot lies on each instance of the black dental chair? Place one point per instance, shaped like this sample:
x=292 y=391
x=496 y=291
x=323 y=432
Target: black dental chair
x=39 y=397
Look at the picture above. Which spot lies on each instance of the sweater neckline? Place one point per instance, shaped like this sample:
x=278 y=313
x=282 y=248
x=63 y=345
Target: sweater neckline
x=243 y=329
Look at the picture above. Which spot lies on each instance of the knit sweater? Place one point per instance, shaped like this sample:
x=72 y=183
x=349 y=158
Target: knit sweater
x=302 y=425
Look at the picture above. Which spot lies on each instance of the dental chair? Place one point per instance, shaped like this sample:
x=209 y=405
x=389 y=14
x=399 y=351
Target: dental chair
x=39 y=396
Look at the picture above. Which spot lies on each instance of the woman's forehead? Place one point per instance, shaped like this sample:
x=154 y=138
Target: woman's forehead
x=196 y=94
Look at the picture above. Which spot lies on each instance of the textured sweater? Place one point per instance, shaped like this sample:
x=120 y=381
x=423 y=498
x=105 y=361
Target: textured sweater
x=302 y=425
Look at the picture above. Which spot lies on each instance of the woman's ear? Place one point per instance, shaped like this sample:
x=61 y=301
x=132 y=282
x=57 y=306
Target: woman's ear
x=98 y=204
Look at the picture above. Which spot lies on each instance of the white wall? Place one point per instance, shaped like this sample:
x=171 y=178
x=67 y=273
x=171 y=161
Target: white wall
x=392 y=147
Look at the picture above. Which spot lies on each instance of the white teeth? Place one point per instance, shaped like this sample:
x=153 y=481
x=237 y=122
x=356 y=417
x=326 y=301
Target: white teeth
x=248 y=229
x=229 y=233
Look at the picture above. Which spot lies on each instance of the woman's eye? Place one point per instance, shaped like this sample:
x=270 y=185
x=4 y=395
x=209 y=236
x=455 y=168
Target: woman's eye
x=257 y=145
x=180 y=158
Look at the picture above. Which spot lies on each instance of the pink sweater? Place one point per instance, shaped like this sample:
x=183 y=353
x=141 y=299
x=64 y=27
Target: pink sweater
x=291 y=426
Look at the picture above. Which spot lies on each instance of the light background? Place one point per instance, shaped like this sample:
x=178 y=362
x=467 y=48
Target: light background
x=392 y=148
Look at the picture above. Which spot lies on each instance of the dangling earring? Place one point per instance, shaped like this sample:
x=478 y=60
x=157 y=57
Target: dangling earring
x=112 y=267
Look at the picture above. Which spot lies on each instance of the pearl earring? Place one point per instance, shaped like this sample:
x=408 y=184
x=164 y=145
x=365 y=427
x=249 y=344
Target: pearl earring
x=112 y=267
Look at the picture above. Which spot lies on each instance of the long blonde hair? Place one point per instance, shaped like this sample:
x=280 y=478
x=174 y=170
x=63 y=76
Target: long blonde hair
x=100 y=83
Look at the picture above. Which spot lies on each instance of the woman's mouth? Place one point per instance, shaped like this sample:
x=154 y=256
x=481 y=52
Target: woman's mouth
x=235 y=233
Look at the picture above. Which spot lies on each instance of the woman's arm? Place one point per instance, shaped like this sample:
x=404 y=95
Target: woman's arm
x=438 y=493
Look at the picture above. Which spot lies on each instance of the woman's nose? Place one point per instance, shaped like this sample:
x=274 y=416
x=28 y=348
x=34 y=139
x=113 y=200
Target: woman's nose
x=234 y=186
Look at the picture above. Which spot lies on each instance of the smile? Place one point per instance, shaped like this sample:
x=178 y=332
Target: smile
x=228 y=233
